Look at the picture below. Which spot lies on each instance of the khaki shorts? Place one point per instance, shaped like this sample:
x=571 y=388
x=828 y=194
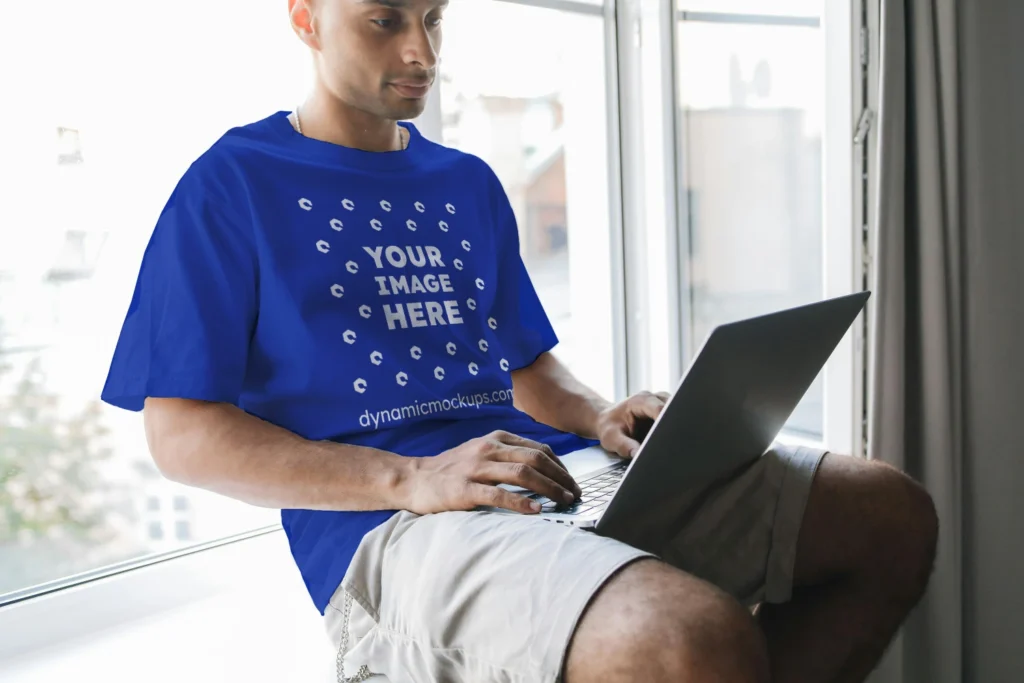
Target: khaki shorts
x=482 y=597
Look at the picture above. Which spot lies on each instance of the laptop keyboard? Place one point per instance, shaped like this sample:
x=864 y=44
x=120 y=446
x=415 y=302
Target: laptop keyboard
x=597 y=491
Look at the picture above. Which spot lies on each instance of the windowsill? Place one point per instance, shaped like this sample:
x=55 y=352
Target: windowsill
x=113 y=570
x=207 y=616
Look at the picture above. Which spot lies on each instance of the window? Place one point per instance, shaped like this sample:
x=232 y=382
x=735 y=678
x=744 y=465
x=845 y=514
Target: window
x=110 y=121
x=538 y=116
x=69 y=146
x=751 y=85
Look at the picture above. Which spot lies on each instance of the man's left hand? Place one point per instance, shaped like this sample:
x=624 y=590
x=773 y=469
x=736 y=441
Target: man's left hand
x=619 y=426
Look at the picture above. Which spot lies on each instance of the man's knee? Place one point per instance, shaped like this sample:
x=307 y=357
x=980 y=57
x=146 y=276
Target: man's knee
x=896 y=527
x=654 y=623
x=868 y=521
x=914 y=529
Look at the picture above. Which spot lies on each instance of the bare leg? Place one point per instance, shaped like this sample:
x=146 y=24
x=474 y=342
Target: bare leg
x=864 y=556
x=654 y=623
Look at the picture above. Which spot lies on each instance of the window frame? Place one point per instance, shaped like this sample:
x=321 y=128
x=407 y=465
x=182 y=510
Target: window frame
x=39 y=618
x=844 y=259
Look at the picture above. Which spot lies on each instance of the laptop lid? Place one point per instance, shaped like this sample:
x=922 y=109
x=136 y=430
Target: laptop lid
x=733 y=401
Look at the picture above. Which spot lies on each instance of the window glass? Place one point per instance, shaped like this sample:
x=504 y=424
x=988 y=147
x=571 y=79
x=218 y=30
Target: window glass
x=538 y=117
x=94 y=137
x=752 y=103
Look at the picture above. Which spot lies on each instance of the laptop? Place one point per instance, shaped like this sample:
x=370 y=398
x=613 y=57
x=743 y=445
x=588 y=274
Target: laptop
x=726 y=412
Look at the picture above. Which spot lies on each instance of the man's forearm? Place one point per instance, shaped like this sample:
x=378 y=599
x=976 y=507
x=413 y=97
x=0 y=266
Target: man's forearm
x=549 y=393
x=220 y=448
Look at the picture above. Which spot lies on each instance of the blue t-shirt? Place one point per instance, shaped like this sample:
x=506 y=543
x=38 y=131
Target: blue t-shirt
x=376 y=299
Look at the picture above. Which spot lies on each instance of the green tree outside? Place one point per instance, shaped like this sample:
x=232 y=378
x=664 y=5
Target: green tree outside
x=57 y=511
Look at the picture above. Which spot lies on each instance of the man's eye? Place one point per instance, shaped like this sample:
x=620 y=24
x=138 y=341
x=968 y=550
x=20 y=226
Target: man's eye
x=434 y=23
x=384 y=23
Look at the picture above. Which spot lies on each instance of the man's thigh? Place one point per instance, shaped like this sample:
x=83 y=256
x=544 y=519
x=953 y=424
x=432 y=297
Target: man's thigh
x=469 y=596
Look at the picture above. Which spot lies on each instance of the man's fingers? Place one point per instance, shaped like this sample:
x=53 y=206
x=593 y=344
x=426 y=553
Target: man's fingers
x=516 y=440
x=664 y=396
x=537 y=455
x=483 y=494
x=542 y=463
x=623 y=445
x=521 y=474
x=651 y=406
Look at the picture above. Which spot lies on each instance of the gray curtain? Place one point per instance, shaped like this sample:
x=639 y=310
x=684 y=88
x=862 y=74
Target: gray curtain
x=948 y=318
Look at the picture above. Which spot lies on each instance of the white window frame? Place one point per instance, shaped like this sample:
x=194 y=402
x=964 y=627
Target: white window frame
x=647 y=31
x=842 y=254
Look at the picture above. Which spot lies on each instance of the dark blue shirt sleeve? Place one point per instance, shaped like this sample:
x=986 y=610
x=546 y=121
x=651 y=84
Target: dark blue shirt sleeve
x=525 y=330
x=189 y=325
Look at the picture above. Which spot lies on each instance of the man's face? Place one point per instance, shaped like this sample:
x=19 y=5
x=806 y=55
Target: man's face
x=379 y=56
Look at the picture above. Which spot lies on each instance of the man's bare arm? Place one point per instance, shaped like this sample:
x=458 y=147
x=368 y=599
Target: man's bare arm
x=549 y=393
x=218 y=447
x=221 y=448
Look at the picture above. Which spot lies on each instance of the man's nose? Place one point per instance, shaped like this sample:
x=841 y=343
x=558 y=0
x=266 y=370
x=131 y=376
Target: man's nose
x=419 y=48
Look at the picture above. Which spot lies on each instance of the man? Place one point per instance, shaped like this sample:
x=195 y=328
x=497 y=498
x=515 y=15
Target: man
x=332 y=318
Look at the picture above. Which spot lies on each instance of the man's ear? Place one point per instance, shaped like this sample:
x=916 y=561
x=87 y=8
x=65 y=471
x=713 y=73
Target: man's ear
x=301 y=15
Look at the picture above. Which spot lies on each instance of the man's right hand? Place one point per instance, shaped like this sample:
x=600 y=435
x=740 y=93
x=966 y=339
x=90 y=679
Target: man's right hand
x=467 y=476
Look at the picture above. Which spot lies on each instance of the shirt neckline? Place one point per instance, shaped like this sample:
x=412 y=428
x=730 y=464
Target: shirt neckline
x=349 y=156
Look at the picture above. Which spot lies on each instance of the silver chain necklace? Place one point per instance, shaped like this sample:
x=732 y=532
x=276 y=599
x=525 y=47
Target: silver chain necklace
x=403 y=134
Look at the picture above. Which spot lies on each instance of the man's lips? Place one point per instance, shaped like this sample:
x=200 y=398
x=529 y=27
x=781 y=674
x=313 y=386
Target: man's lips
x=412 y=90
